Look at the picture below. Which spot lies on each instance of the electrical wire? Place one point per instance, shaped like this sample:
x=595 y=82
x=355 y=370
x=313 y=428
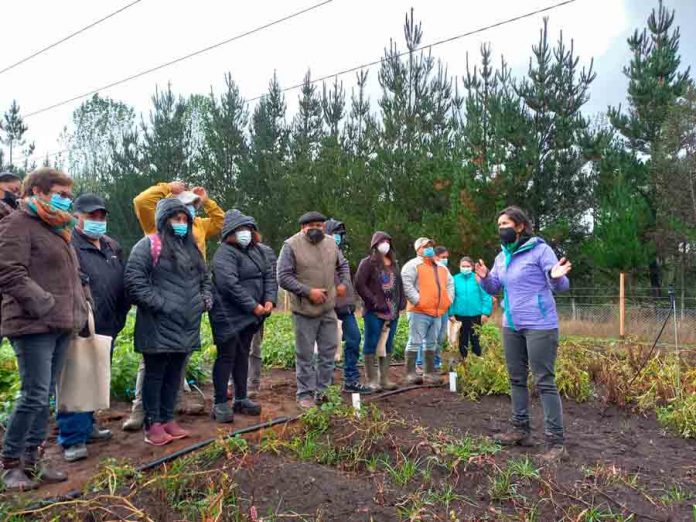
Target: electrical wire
x=181 y=58
x=70 y=36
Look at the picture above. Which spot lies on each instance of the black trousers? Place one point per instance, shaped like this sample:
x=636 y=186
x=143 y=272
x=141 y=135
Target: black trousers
x=161 y=385
x=233 y=359
x=468 y=335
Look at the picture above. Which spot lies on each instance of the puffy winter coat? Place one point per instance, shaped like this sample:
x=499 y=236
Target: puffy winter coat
x=242 y=279
x=527 y=286
x=170 y=293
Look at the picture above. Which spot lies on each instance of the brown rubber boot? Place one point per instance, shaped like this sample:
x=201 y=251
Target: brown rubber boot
x=515 y=437
x=555 y=451
x=14 y=478
x=385 y=383
x=430 y=375
x=371 y=373
x=411 y=376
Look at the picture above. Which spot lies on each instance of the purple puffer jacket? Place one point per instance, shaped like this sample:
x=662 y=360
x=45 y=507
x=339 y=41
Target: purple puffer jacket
x=527 y=286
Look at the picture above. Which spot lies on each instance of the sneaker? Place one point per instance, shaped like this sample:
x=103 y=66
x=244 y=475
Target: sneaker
x=15 y=479
x=156 y=435
x=247 y=407
x=306 y=403
x=514 y=437
x=356 y=387
x=223 y=413
x=99 y=434
x=75 y=453
x=175 y=431
x=555 y=452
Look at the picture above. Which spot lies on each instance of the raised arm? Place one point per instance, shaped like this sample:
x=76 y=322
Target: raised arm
x=548 y=260
x=215 y=218
x=145 y=203
x=491 y=282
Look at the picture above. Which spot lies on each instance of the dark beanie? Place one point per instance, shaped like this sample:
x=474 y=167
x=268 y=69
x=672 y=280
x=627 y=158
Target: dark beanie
x=311 y=217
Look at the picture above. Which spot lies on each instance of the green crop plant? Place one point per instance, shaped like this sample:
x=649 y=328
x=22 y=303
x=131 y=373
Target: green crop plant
x=112 y=475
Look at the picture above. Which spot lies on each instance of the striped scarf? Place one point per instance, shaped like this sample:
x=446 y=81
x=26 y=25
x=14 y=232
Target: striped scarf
x=58 y=221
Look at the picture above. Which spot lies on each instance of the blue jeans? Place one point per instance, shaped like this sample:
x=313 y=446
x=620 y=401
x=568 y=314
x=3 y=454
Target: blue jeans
x=423 y=332
x=351 y=347
x=74 y=428
x=373 y=329
x=40 y=358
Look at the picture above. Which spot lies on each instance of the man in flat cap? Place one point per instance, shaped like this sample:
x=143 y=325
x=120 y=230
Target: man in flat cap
x=307 y=266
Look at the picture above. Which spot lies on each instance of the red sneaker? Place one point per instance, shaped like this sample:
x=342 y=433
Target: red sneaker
x=175 y=431
x=157 y=436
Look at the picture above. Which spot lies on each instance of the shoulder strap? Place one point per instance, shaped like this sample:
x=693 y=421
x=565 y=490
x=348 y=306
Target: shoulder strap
x=155 y=247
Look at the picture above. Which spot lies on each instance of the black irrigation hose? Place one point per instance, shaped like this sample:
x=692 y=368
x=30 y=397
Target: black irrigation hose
x=75 y=494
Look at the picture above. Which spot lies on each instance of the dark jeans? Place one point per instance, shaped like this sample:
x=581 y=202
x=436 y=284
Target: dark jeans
x=373 y=329
x=233 y=359
x=161 y=385
x=535 y=349
x=351 y=347
x=468 y=335
x=40 y=358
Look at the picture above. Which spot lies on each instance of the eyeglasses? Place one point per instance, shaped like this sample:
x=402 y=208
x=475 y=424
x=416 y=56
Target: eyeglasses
x=65 y=194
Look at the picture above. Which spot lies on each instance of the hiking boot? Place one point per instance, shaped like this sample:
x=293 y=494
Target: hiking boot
x=175 y=431
x=306 y=403
x=430 y=376
x=99 y=434
x=156 y=435
x=356 y=387
x=384 y=382
x=411 y=376
x=75 y=453
x=555 y=452
x=514 y=437
x=184 y=408
x=223 y=413
x=247 y=407
x=40 y=469
x=14 y=478
x=371 y=373
x=135 y=421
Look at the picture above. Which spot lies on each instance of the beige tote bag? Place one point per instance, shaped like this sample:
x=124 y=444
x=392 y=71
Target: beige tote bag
x=383 y=337
x=84 y=383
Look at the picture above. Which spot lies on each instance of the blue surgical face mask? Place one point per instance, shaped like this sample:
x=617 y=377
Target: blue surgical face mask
x=94 y=229
x=243 y=237
x=443 y=262
x=429 y=252
x=466 y=270
x=180 y=229
x=338 y=238
x=191 y=210
x=58 y=202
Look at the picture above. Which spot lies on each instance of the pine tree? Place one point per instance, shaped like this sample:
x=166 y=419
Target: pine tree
x=14 y=128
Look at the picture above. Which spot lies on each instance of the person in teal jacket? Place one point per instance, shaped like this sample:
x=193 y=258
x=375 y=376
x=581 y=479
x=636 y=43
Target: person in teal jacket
x=471 y=306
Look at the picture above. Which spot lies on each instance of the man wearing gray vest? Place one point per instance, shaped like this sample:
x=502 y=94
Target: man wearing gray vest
x=307 y=264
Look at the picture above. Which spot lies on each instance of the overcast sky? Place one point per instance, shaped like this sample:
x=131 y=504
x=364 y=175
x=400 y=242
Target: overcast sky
x=339 y=35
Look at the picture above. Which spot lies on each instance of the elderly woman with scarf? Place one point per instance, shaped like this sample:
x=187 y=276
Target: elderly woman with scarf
x=167 y=278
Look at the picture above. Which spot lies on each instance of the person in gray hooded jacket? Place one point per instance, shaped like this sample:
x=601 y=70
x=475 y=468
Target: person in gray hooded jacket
x=244 y=294
x=166 y=277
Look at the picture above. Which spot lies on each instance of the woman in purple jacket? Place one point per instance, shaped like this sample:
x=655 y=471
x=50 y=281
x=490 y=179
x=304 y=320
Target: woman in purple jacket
x=528 y=272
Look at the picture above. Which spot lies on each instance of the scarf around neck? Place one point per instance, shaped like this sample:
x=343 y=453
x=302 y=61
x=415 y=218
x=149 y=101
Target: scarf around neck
x=58 y=221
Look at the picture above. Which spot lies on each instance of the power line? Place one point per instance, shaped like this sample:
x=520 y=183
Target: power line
x=180 y=59
x=72 y=35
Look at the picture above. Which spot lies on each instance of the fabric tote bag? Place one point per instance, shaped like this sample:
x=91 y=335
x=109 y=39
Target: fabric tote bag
x=84 y=383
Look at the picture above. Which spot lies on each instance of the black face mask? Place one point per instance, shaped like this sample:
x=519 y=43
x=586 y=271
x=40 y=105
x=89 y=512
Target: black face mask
x=315 y=235
x=507 y=235
x=10 y=198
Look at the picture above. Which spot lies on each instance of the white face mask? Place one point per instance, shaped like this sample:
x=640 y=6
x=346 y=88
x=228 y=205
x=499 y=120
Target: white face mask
x=243 y=237
x=384 y=248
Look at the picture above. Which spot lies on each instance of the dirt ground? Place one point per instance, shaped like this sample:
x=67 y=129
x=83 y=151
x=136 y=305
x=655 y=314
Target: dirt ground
x=619 y=465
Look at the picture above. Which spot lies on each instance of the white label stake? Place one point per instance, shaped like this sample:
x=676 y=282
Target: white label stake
x=453 y=381
x=356 y=403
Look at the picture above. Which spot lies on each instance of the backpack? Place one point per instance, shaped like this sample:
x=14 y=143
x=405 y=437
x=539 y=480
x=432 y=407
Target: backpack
x=155 y=248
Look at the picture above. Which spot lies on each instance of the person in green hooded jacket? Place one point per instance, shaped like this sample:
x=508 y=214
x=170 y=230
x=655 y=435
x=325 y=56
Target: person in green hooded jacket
x=471 y=306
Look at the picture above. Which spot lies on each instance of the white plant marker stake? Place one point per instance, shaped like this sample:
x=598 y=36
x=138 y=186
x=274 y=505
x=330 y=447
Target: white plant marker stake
x=453 y=381
x=356 y=403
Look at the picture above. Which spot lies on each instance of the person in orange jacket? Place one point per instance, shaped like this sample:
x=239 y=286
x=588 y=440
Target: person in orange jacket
x=204 y=228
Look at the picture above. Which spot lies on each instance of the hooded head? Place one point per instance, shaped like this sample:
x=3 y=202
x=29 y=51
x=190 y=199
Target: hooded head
x=336 y=228
x=235 y=219
x=378 y=237
x=166 y=208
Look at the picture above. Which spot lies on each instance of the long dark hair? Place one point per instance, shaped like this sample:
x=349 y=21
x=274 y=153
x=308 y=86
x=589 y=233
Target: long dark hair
x=519 y=217
x=182 y=250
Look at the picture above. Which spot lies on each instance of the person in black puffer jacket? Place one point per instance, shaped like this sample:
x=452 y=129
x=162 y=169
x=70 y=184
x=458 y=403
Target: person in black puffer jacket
x=244 y=294
x=166 y=277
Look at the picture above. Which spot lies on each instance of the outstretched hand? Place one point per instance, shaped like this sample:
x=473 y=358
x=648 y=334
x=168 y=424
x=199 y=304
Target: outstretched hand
x=201 y=193
x=560 y=269
x=481 y=269
x=177 y=187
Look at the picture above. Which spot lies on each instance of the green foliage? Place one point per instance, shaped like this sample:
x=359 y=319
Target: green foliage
x=679 y=416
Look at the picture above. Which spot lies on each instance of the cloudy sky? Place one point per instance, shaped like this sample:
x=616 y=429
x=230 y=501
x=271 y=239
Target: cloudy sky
x=336 y=36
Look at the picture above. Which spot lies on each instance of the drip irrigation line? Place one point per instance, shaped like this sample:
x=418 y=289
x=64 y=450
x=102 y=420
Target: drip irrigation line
x=66 y=38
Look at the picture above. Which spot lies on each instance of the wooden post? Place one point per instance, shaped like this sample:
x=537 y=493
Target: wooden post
x=622 y=305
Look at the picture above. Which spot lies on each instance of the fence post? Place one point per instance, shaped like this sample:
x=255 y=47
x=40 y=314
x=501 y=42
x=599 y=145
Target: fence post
x=574 y=311
x=622 y=305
